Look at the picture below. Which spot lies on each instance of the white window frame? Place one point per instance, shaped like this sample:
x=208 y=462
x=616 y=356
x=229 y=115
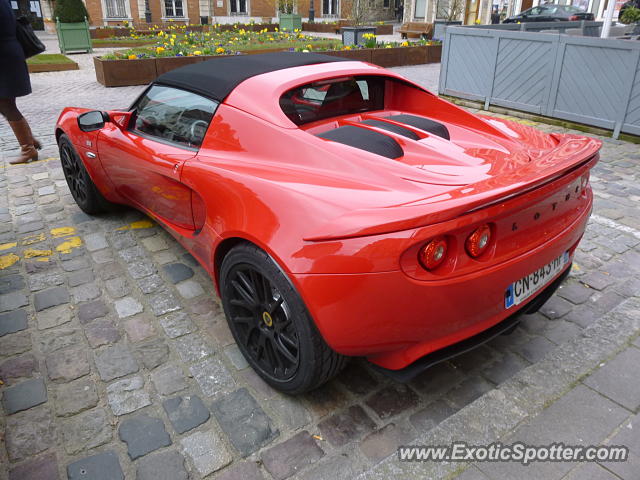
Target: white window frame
x=173 y=17
x=236 y=13
x=127 y=8
x=185 y=12
x=335 y=14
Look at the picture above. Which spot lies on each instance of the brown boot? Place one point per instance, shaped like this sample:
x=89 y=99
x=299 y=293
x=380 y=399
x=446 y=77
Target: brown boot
x=28 y=145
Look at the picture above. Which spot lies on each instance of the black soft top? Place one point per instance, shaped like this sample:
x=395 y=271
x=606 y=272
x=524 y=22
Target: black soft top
x=218 y=77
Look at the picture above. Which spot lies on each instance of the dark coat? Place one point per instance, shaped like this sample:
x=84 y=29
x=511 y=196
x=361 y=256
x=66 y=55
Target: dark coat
x=14 y=75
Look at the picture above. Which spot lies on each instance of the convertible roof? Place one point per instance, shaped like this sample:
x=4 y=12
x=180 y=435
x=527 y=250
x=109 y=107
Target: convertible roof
x=218 y=77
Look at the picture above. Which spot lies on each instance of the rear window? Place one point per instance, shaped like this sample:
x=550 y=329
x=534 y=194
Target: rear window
x=334 y=97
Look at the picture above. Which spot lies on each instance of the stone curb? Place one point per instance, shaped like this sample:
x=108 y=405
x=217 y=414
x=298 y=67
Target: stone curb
x=522 y=397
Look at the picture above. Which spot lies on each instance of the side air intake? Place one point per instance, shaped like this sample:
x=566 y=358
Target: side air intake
x=423 y=124
x=364 y=139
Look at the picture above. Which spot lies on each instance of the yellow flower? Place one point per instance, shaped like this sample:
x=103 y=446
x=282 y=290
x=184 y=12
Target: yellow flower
x=404 y=44
x=310 y=47
x=477 y=22
x=197 y=52
x=159 y=49
x=219 y=50
x=387 y=46
x=131 y=57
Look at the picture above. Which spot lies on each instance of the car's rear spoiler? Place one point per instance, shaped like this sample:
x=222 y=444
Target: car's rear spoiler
x=568 y=156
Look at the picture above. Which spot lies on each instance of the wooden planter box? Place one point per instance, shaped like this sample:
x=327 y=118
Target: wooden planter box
x=395 y=57
x=166 y=64
x=127 y=44
x=362 y=55
x=321 y=27
x=386 y=29
x=121 y=73
x=434 y=53
x=51 y=67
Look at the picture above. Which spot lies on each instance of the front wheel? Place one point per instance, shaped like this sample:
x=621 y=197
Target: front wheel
x=271 y=324
x=83 y=190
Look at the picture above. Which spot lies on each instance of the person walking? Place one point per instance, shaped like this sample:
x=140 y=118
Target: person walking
x=14 y=82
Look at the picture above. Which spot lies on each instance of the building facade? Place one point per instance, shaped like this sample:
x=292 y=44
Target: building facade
x=117 y=12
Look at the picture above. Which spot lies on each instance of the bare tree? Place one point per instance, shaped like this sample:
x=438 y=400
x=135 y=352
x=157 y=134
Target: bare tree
x=360 y=11
x=450 y=9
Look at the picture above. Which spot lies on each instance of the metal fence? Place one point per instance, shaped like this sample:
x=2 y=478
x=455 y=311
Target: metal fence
x=587 y=80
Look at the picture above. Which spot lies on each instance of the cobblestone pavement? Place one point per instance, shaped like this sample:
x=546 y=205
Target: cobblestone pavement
x=117 y=361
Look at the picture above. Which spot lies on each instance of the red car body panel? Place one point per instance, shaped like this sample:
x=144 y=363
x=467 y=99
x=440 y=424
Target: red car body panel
x=345 y=224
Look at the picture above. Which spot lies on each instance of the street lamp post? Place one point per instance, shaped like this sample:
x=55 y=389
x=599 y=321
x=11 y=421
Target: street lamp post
x=312 y=12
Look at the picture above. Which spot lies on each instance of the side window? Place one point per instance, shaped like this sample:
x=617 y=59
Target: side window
x=174 y=115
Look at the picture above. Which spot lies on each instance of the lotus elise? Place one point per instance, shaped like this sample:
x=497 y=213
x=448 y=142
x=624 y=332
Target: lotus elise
x=340 y=209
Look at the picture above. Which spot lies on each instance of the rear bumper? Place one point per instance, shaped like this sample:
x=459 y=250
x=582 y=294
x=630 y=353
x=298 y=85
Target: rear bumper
x=504 y=327
x=394 y=319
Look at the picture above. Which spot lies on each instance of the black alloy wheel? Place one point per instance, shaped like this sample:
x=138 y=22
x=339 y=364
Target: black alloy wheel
x=271 y=324
x=263 y=322
x=82 y=188
x=73 y=172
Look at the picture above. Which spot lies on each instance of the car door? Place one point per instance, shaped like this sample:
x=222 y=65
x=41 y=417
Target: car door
x=145 y=159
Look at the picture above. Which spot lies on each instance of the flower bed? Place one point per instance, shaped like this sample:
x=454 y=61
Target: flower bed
x=224 y=43
x=142 y=65
x=50 y=62
x=141 y=30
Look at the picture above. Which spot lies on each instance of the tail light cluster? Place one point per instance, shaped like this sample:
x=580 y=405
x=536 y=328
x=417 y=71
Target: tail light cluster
x=434 y=254
x=573 y=18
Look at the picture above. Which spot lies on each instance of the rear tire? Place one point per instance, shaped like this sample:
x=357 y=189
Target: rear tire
x=83 y=190
x=271 y=324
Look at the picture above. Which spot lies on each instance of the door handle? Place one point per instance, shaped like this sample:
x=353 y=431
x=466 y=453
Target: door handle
x=176 y=167
x=91 y=155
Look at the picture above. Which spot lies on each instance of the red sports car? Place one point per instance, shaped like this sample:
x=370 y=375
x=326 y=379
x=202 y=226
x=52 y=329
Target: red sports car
x=340 y=209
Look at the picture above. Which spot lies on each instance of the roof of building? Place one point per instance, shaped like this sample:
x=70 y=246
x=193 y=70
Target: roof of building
x=218 y=77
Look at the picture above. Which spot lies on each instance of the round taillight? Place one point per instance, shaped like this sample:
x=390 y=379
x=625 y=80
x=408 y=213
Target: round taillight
x=433 y=253
x=478 y=241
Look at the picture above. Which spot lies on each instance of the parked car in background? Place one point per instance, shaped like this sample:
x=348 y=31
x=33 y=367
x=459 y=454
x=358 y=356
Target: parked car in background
x=550 y=13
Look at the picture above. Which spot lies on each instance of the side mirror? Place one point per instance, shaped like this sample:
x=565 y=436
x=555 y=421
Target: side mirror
x=91 y=121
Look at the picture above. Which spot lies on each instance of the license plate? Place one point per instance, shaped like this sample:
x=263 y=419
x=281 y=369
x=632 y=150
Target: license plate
x=522 y=289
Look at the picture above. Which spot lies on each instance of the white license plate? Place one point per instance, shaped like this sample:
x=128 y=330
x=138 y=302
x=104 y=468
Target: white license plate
x=522 y=289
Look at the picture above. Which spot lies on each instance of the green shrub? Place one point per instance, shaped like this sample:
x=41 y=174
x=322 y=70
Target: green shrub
x=630 y=15
x=70 y=11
